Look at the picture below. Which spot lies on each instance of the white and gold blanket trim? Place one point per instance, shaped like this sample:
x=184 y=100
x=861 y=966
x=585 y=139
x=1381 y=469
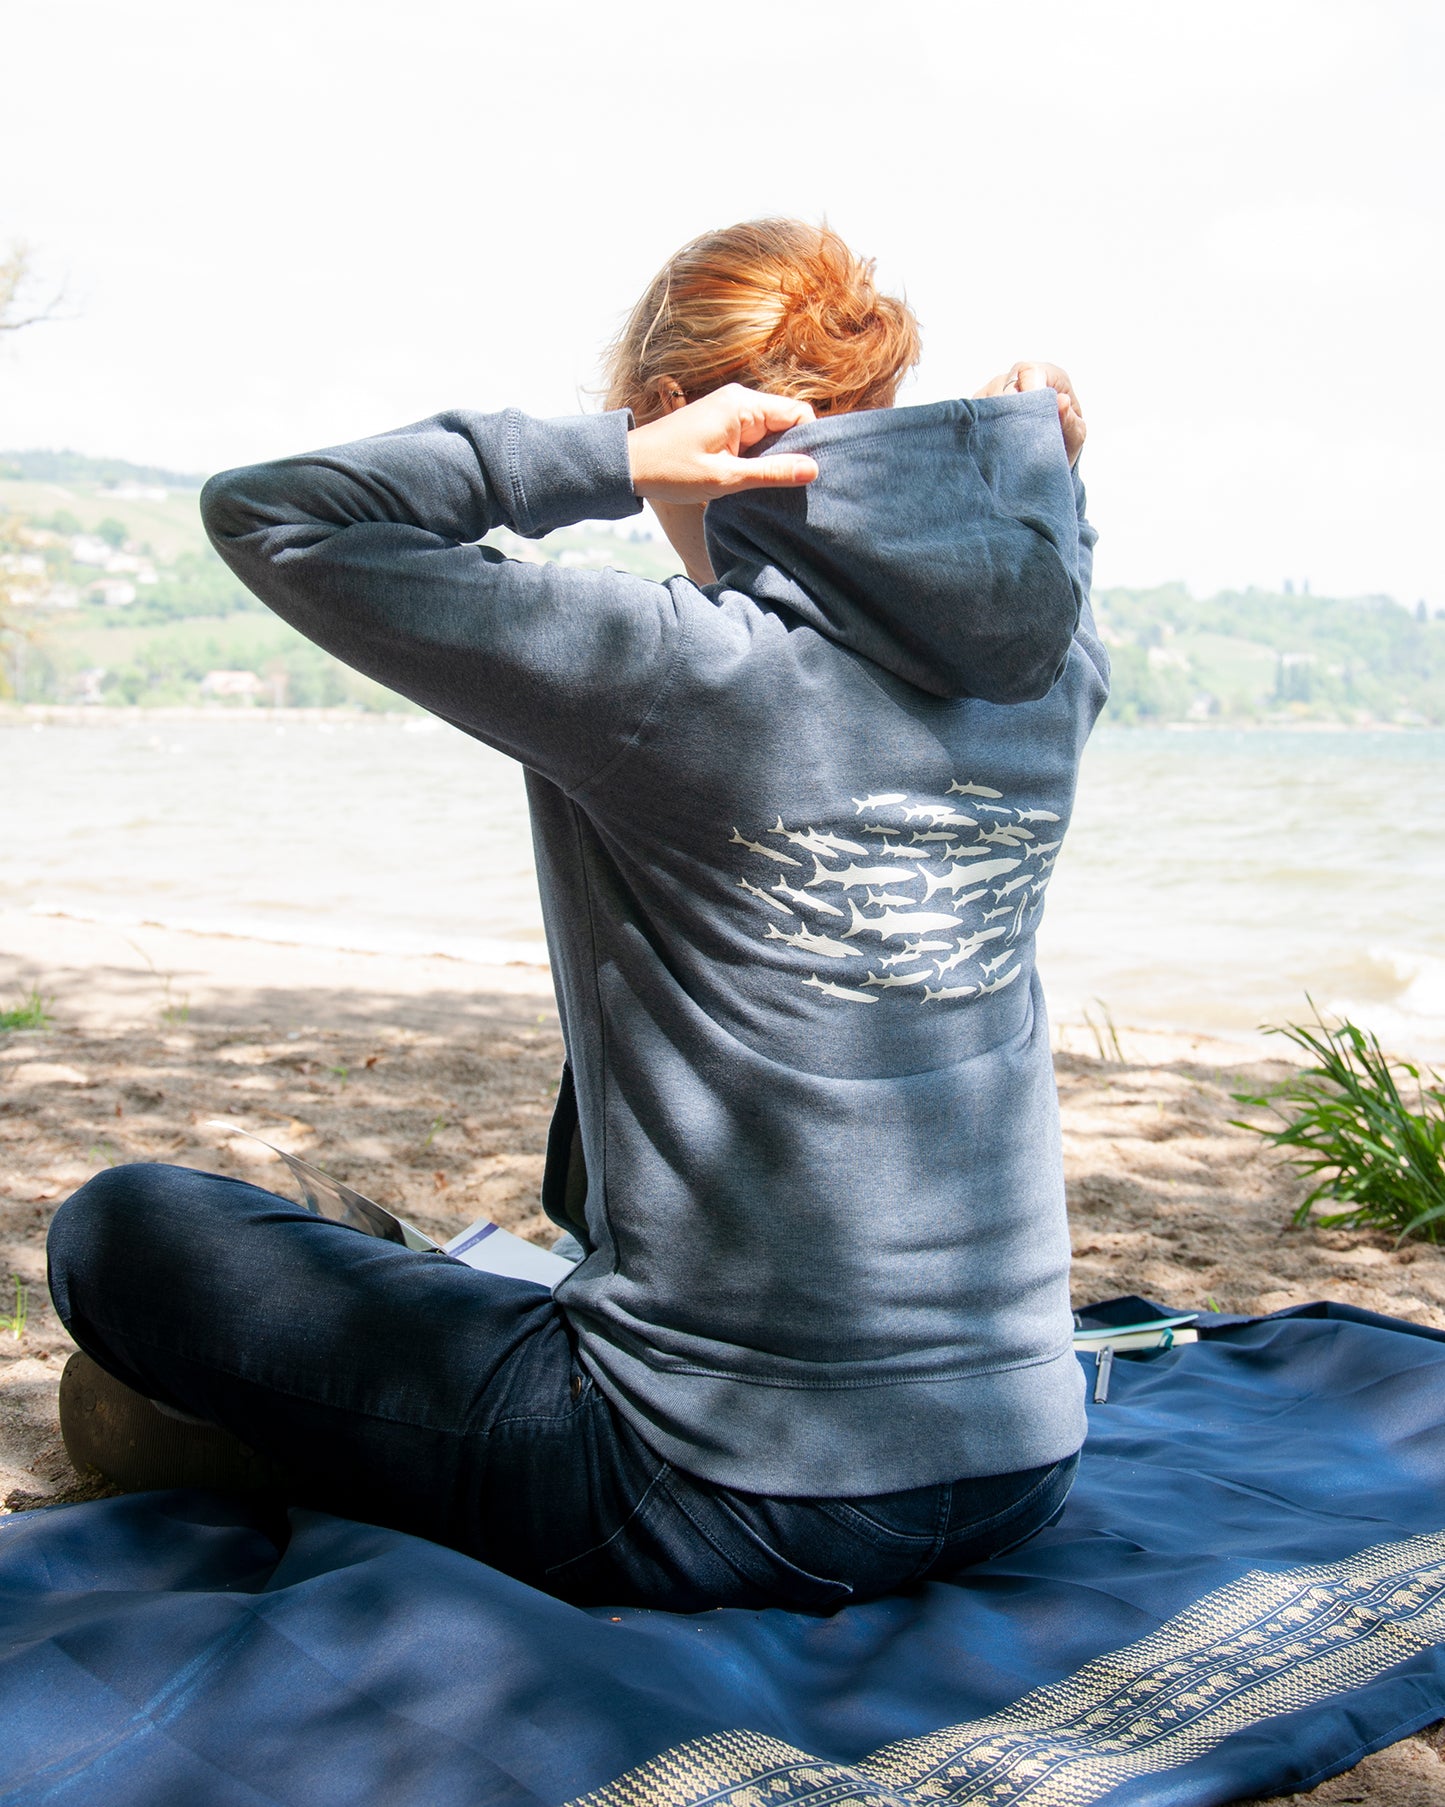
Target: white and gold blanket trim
x=1265 y=1645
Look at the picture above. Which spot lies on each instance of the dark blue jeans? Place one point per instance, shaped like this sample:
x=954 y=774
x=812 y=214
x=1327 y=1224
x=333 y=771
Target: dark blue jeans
x=409 y=1390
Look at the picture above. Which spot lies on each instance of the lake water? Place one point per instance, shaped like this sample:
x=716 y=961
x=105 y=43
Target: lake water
x=1210 y=881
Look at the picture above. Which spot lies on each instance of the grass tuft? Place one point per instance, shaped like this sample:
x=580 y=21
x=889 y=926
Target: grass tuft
x=1106 y=1036
x=30 y=1013
x=1346 y=1125
x=15 y=1323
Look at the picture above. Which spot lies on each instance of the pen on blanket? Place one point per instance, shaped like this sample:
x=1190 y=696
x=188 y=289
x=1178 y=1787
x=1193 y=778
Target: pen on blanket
x=1103 y=1362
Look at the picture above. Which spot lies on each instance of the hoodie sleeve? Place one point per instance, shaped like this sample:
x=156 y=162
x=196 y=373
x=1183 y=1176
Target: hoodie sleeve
x=370 y=550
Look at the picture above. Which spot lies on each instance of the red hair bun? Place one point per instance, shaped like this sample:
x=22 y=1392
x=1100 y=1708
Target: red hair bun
x=774 y=304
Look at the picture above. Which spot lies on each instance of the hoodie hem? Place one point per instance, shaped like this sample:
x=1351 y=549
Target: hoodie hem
x=799 y=1441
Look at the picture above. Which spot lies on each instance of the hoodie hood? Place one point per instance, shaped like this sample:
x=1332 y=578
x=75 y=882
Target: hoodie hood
x=940 y=542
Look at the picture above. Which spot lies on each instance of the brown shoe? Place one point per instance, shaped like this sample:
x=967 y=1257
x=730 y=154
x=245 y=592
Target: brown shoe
x=126 y=1438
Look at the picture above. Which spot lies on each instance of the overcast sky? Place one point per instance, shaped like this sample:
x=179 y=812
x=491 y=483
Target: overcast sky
x=286 y=223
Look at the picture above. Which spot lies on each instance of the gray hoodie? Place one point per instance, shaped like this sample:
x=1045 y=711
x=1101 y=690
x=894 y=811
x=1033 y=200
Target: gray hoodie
x=793 y=834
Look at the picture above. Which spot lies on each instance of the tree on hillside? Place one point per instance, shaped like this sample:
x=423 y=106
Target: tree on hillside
x=20 y=306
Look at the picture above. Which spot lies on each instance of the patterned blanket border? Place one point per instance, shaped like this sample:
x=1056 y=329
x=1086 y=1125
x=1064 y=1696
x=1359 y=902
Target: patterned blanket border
x=1267 y=1644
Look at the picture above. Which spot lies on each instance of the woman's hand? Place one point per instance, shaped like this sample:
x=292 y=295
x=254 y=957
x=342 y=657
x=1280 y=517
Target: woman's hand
x=693 y=454
x=1027 y=374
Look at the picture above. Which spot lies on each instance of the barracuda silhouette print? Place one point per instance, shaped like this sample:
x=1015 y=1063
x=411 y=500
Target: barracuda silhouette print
x=988 y=873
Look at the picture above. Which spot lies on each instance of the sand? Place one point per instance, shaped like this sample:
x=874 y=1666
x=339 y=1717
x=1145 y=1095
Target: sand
x=429 y=1083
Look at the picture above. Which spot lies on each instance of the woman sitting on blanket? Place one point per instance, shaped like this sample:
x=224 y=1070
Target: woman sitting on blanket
x=794 y=816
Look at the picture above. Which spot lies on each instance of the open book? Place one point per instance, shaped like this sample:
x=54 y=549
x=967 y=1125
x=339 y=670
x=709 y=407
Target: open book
x=482 y=1245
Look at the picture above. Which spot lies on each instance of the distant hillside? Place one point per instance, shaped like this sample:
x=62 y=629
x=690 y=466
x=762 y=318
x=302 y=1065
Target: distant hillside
x=109 y=592
x=1256 y=655
x=79 y=467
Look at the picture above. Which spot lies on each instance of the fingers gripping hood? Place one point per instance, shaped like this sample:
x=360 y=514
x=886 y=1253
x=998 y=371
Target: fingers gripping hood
x=941 y=542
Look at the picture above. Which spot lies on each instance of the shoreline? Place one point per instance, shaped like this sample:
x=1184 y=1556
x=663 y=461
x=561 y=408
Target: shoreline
x=21 y=715
x=104 y=975
x=110 y=715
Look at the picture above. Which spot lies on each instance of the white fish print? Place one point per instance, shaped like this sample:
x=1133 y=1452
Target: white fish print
x=999 y=984
x=938 y=815
x=957 y=877
x=812 y=841
x=1007 y=834
x=1013 y=884
x=967 y=949
x=880 y=900
x=995 y=809
x=921 y=838
x=989 y=967
x=916 y=952
x=852 y=877
x=1037 y=815
x=834 y=845
x=959 y=899
x=784 y=889
x=954 y=849
x=972 y=790
x=769 y=853
x=879 y=829
x=809 y=943
x=948 y=991
x=891 y=979
x=878 y=800
x=893 y=923
x=988 y=915
x=1044 y=847
x=841 y=991
x=770 y=901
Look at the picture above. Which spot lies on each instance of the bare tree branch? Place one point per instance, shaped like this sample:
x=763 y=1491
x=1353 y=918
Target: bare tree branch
x=17 y=309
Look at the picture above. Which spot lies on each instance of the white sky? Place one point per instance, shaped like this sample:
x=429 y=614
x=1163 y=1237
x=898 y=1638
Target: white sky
x=284 y=223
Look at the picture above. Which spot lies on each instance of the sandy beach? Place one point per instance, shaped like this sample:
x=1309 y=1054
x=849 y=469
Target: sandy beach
x=428 y=1083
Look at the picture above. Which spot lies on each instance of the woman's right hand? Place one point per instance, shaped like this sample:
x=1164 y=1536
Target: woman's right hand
x=1029 y=374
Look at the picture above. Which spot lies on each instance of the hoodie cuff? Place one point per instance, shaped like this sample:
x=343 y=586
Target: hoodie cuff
x=572 y=469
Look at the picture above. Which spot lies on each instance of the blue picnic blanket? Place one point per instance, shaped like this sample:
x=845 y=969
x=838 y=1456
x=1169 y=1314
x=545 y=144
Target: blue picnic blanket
x=1246 y=1593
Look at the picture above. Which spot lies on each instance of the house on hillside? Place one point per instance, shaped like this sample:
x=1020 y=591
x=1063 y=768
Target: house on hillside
x=114 y=592
x=134 y=492
x=22 y=564
x=98 y=554
x=130 y=564
x=242 y=686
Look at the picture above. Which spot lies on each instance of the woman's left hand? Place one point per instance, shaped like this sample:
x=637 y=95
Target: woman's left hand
x=1029 y=374
x=694 y=453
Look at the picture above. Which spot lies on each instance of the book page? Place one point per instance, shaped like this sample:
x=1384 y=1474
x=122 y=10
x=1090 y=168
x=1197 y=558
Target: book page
x=493 y=1250
x=482 y=1245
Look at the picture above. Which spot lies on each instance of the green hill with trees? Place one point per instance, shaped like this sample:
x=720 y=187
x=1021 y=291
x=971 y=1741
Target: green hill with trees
x=1253 y=656
x=110 y=594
